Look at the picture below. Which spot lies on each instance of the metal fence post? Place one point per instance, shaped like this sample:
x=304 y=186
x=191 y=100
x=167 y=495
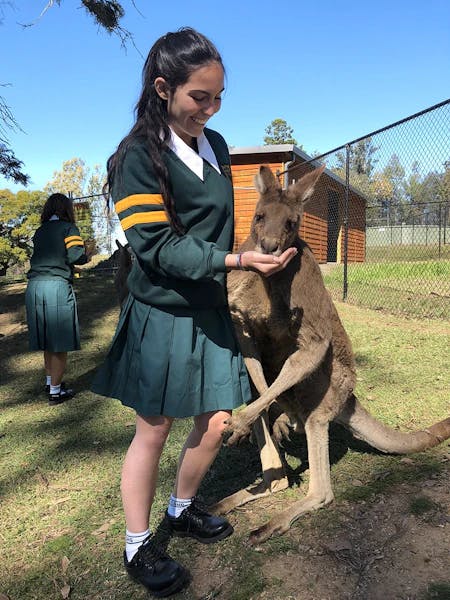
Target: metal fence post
x=347 y=186
x=440 y=230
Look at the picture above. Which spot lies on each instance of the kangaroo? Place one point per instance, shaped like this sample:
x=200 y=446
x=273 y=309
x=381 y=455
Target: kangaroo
x=299 y=358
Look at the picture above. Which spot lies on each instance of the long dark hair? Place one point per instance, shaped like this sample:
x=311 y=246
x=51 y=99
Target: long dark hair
x=59 y=205
x=174 y=57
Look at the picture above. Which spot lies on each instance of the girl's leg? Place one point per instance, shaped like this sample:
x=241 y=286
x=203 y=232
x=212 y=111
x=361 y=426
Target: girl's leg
x=56 y=363
x=140 y=469
x=144 y=559
x=199 y=452
x=47 y=365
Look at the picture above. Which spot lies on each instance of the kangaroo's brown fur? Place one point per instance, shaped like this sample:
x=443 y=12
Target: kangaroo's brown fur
x=299 y=356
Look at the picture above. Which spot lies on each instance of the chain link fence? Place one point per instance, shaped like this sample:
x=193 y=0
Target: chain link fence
x=388 y=221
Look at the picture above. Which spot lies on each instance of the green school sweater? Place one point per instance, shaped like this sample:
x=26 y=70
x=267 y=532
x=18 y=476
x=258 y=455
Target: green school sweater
x=57 y=247
x=172 y=270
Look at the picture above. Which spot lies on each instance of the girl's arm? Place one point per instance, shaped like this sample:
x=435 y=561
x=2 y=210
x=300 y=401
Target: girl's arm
x=76 y=253
x=158 y=249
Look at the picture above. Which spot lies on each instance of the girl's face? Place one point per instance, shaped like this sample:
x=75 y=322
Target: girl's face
x=191 y=104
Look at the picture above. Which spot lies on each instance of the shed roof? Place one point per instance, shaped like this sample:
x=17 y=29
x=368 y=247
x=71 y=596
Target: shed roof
x=282 y=153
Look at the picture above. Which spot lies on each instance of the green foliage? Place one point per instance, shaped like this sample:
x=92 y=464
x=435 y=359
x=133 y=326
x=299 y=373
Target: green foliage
x=70 y=180
x=437 y=591
x=19 y=218
x=107 y=13
x=279 y=132
x=361 y=157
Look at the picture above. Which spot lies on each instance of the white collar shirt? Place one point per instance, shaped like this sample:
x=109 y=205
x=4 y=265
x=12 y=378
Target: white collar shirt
x=192 y=159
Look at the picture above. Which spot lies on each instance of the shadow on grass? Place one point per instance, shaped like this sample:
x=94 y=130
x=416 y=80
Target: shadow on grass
x=237 y=467
x=95 y=297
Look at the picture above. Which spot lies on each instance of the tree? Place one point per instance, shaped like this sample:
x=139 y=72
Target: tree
x=10 y=165
x=381 y=191
x=107 y=14
x=361 y=157
x=279 y=132
x=19 y=219
x=395 y=173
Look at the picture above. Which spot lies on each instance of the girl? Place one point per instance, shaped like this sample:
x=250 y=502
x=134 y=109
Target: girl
x=50 y=300
x=174 y=354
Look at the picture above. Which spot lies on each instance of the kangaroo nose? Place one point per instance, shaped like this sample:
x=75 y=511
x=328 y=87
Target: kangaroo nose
x=269 y=245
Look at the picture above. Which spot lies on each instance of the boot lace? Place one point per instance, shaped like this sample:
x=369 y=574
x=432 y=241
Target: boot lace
x=150 y=552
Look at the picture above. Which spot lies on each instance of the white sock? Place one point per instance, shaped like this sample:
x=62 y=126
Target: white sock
x=48 y=380
x=133 y=541
x=55 y=389
x=177 y=505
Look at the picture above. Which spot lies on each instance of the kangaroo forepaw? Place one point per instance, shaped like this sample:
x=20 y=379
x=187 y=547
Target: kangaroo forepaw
x=237 y=430
x=281 y=428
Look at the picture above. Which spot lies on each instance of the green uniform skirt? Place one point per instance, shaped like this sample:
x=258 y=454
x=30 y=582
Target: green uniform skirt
x=52 y=315
x=174 y=362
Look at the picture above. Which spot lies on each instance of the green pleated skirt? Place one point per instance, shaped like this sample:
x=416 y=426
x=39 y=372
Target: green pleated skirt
x=174 y=362
x=52 y=315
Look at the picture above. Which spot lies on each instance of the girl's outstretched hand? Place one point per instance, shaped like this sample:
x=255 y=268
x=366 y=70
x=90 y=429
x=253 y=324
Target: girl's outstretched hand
x=265 y=264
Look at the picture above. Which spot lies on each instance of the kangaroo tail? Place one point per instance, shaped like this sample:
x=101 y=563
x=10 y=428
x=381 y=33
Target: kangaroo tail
x=365 y=427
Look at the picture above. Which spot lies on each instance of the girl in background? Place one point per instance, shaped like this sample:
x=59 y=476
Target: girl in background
x=50 y=300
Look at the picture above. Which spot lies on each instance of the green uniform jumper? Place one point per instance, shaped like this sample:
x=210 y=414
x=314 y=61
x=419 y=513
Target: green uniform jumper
x=174 y=352
x=50 y=300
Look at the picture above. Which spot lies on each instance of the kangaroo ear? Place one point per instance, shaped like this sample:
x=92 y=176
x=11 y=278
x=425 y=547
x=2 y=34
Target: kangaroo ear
x=265 y=180
x=304 y=187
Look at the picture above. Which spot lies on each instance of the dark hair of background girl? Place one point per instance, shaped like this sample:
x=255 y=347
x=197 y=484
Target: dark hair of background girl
x=59 y=205
x=174 y=57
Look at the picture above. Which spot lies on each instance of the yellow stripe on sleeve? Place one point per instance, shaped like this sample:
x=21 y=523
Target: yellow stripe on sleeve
x=155 y=216
x=74 y=243
x=71 y=238
x=138 y=200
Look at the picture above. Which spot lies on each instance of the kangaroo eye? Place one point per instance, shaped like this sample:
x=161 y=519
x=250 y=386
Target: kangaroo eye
x=259 y=217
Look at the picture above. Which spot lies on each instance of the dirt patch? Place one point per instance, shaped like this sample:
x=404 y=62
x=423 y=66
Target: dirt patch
x=392 y=548
x=12 y=312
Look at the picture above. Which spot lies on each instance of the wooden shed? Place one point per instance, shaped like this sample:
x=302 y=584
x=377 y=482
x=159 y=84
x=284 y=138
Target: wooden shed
x=323 y=222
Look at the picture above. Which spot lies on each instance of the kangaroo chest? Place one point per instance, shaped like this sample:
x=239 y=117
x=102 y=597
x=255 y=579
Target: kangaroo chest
x=281 y=320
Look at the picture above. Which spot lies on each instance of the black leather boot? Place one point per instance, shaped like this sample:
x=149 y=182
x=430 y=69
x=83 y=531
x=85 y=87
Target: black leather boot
x=196 y=522
x=152 y=567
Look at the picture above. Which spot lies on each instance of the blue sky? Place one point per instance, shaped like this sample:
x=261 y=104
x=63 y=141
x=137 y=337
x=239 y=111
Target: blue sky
x=334 y=70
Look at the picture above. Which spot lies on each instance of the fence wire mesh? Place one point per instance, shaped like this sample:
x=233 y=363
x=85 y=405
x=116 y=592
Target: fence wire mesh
x=388 y=223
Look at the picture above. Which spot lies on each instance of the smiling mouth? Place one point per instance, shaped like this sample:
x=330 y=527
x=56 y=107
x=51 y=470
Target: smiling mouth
x=199 y=121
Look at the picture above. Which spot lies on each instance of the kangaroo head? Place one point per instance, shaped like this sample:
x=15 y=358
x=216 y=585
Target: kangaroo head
x=279 y=212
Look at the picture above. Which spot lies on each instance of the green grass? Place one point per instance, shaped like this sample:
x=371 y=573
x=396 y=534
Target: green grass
x=437 y=591
x=60 y=466
x=409 y=288
x=402 y=252
x=421 y=505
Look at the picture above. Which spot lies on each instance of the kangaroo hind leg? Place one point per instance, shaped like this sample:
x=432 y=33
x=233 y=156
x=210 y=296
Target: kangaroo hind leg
x=274 y=477
x=319 y=492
